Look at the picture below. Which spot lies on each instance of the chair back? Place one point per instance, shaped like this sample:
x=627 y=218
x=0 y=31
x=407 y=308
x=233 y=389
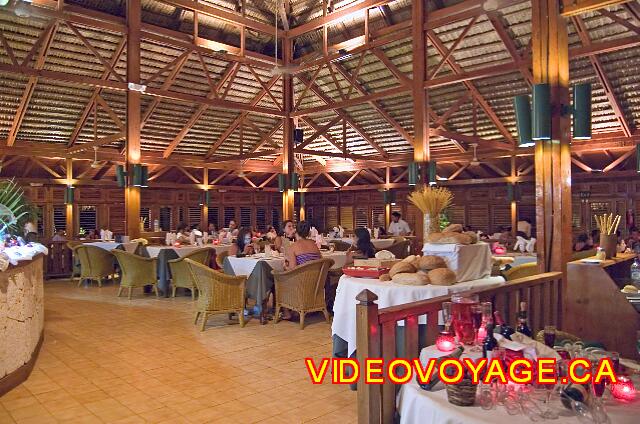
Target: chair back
x=400 y=248
x=201 y=256
x=218 y=291
x=308 y=280
x=520 y=271
x=220 y=258
x=340 y=246
x=94 y=261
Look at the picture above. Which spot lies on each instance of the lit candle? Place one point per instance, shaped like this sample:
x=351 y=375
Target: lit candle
x=623 y=388
x=445 y=342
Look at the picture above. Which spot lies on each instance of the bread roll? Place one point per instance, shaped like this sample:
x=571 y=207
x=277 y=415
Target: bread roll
x=473 y=236
x=385 y=277
x=402 y=267
x=435 y=237
x=453 y=228
x=410 y=279
x=430 y=262
x=455 y=238
x=442 y=277
x=409 y=259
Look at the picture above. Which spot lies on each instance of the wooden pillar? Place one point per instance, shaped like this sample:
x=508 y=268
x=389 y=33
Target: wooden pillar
x=204 y=219
x=514 y=203
x=552 y=157
x=132 y=194
x=421 y=152
x=71 y=231
x=288 y=160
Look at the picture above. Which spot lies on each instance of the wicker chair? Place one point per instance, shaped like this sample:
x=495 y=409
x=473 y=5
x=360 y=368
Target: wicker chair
x=137 y=271
x=218 y=293
x=220 y=259
x=400 y=248
x=302 y=289
x=180 y=273
x=520 y=271
x=75 y=264
x=95 y=263
x=340 y=246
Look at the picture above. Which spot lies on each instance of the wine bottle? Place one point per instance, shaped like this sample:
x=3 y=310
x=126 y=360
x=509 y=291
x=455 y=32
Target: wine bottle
x=505 y=330
x=571 y=393
x=435 y=378
x=522 y=321
x=490 y=343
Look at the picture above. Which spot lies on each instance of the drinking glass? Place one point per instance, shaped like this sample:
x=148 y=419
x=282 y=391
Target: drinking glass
x=461 y=304
x=550 y=335
x=476 y=316
x=597 y=389
x=548 y=413
x=446 y=314
x=332 y=247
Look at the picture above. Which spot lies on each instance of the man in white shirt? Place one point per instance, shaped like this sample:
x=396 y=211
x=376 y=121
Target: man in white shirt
x=398 y=226
x=524 y=226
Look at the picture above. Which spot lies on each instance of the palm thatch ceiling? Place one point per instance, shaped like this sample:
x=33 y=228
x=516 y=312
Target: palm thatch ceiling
x=63 y=79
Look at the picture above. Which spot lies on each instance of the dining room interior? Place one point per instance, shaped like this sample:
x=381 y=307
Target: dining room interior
x=225 y=210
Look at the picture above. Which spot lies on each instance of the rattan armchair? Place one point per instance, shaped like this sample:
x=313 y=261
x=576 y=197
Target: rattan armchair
x=75 y=263
x=137 y=271
x=95 y=263
x=180 y=274
x=340 y=246
x=400 y=249
x=219 y=293
x=302 y=289
x=220 y=258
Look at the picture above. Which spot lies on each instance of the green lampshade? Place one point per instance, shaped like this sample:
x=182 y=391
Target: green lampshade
x=432 y=173
x=523 y=120
x=282 y=182
x=137 y=175
x=638 y=157
x=121 y=176
x=144 y=182
x=205 y=198
x=69 y=196
x=295 y=181
x=582 y=111
x=413 y=174
x=389 y=197
x=301 y=199
x=513 y=192
x=541 y=112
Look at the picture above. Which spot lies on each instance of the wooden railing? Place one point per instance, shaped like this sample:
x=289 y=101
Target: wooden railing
x=376 y=330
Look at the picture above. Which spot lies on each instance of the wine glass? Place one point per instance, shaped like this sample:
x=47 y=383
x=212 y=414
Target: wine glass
x=446 y=315
x=597 y=389
x=476 y=317
x=550 y=335
x=547 y=390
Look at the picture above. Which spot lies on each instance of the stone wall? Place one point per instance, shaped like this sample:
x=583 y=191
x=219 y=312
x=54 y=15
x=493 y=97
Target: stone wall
x=21 y=313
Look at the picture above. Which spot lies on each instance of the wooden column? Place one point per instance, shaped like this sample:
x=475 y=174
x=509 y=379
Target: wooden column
x=514 y=203
x=552 y=157
x=71 y=231
x=204 y=219
x=288 y=159
x=421 y=152
x=132 y=194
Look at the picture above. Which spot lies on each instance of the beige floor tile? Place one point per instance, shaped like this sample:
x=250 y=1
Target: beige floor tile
x=155 y=366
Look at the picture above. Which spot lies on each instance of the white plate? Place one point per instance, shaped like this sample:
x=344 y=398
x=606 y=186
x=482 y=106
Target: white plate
x=591 y=261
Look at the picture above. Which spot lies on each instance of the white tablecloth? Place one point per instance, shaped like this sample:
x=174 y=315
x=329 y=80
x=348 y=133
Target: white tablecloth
x=377 y=243
x=389 y=294
x=417 y=406
x=469 y=262
x=110 y=245
x=245 y=266
x=180 y=251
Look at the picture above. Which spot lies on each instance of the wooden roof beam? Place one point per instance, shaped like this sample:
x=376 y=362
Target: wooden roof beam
x=620 y=160
x=43 y=44
x=583 y=33
x=571 y=8
x=496 y=20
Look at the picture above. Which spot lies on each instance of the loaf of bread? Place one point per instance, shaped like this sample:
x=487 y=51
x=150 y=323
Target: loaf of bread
x=411 y=279
x=442 y=277
x=435 y=237
x=402 y=267
x=429 y=262
x=455 y=238
x=473 y=236
x=385 y=277
x=453 y=228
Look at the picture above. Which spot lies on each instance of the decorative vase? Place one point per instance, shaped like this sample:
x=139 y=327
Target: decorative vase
x=431 y=224
x=142 y=227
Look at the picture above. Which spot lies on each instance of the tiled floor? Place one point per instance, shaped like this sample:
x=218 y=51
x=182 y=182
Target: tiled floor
x=112 y=360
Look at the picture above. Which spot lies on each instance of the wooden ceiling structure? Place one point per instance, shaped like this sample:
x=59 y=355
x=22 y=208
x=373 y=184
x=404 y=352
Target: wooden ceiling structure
x=213 y=104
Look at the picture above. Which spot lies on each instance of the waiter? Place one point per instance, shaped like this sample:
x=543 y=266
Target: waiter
x=398 y=226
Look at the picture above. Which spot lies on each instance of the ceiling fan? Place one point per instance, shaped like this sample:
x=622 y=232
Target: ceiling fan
x=95 y=164
x=281 y=69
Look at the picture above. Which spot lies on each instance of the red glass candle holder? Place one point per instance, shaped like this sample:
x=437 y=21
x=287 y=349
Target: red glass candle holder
x=446 y=341
x=500 y=250
x=623 y=388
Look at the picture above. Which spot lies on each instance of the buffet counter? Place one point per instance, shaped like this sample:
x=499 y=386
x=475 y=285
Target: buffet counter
x=21 y=320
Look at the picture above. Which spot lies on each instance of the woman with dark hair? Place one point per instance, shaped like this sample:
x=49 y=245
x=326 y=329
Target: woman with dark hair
x=582 y=243
x=243 y=245
x=303 y=249
x=362 y=248
x=182 y=233
x=287 y=234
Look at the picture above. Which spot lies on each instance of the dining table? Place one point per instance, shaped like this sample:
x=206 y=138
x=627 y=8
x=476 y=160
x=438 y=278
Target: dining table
x=343 y=327
x=129 y=247
x=379 y=244
x=166 y=253
x=469 y=261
